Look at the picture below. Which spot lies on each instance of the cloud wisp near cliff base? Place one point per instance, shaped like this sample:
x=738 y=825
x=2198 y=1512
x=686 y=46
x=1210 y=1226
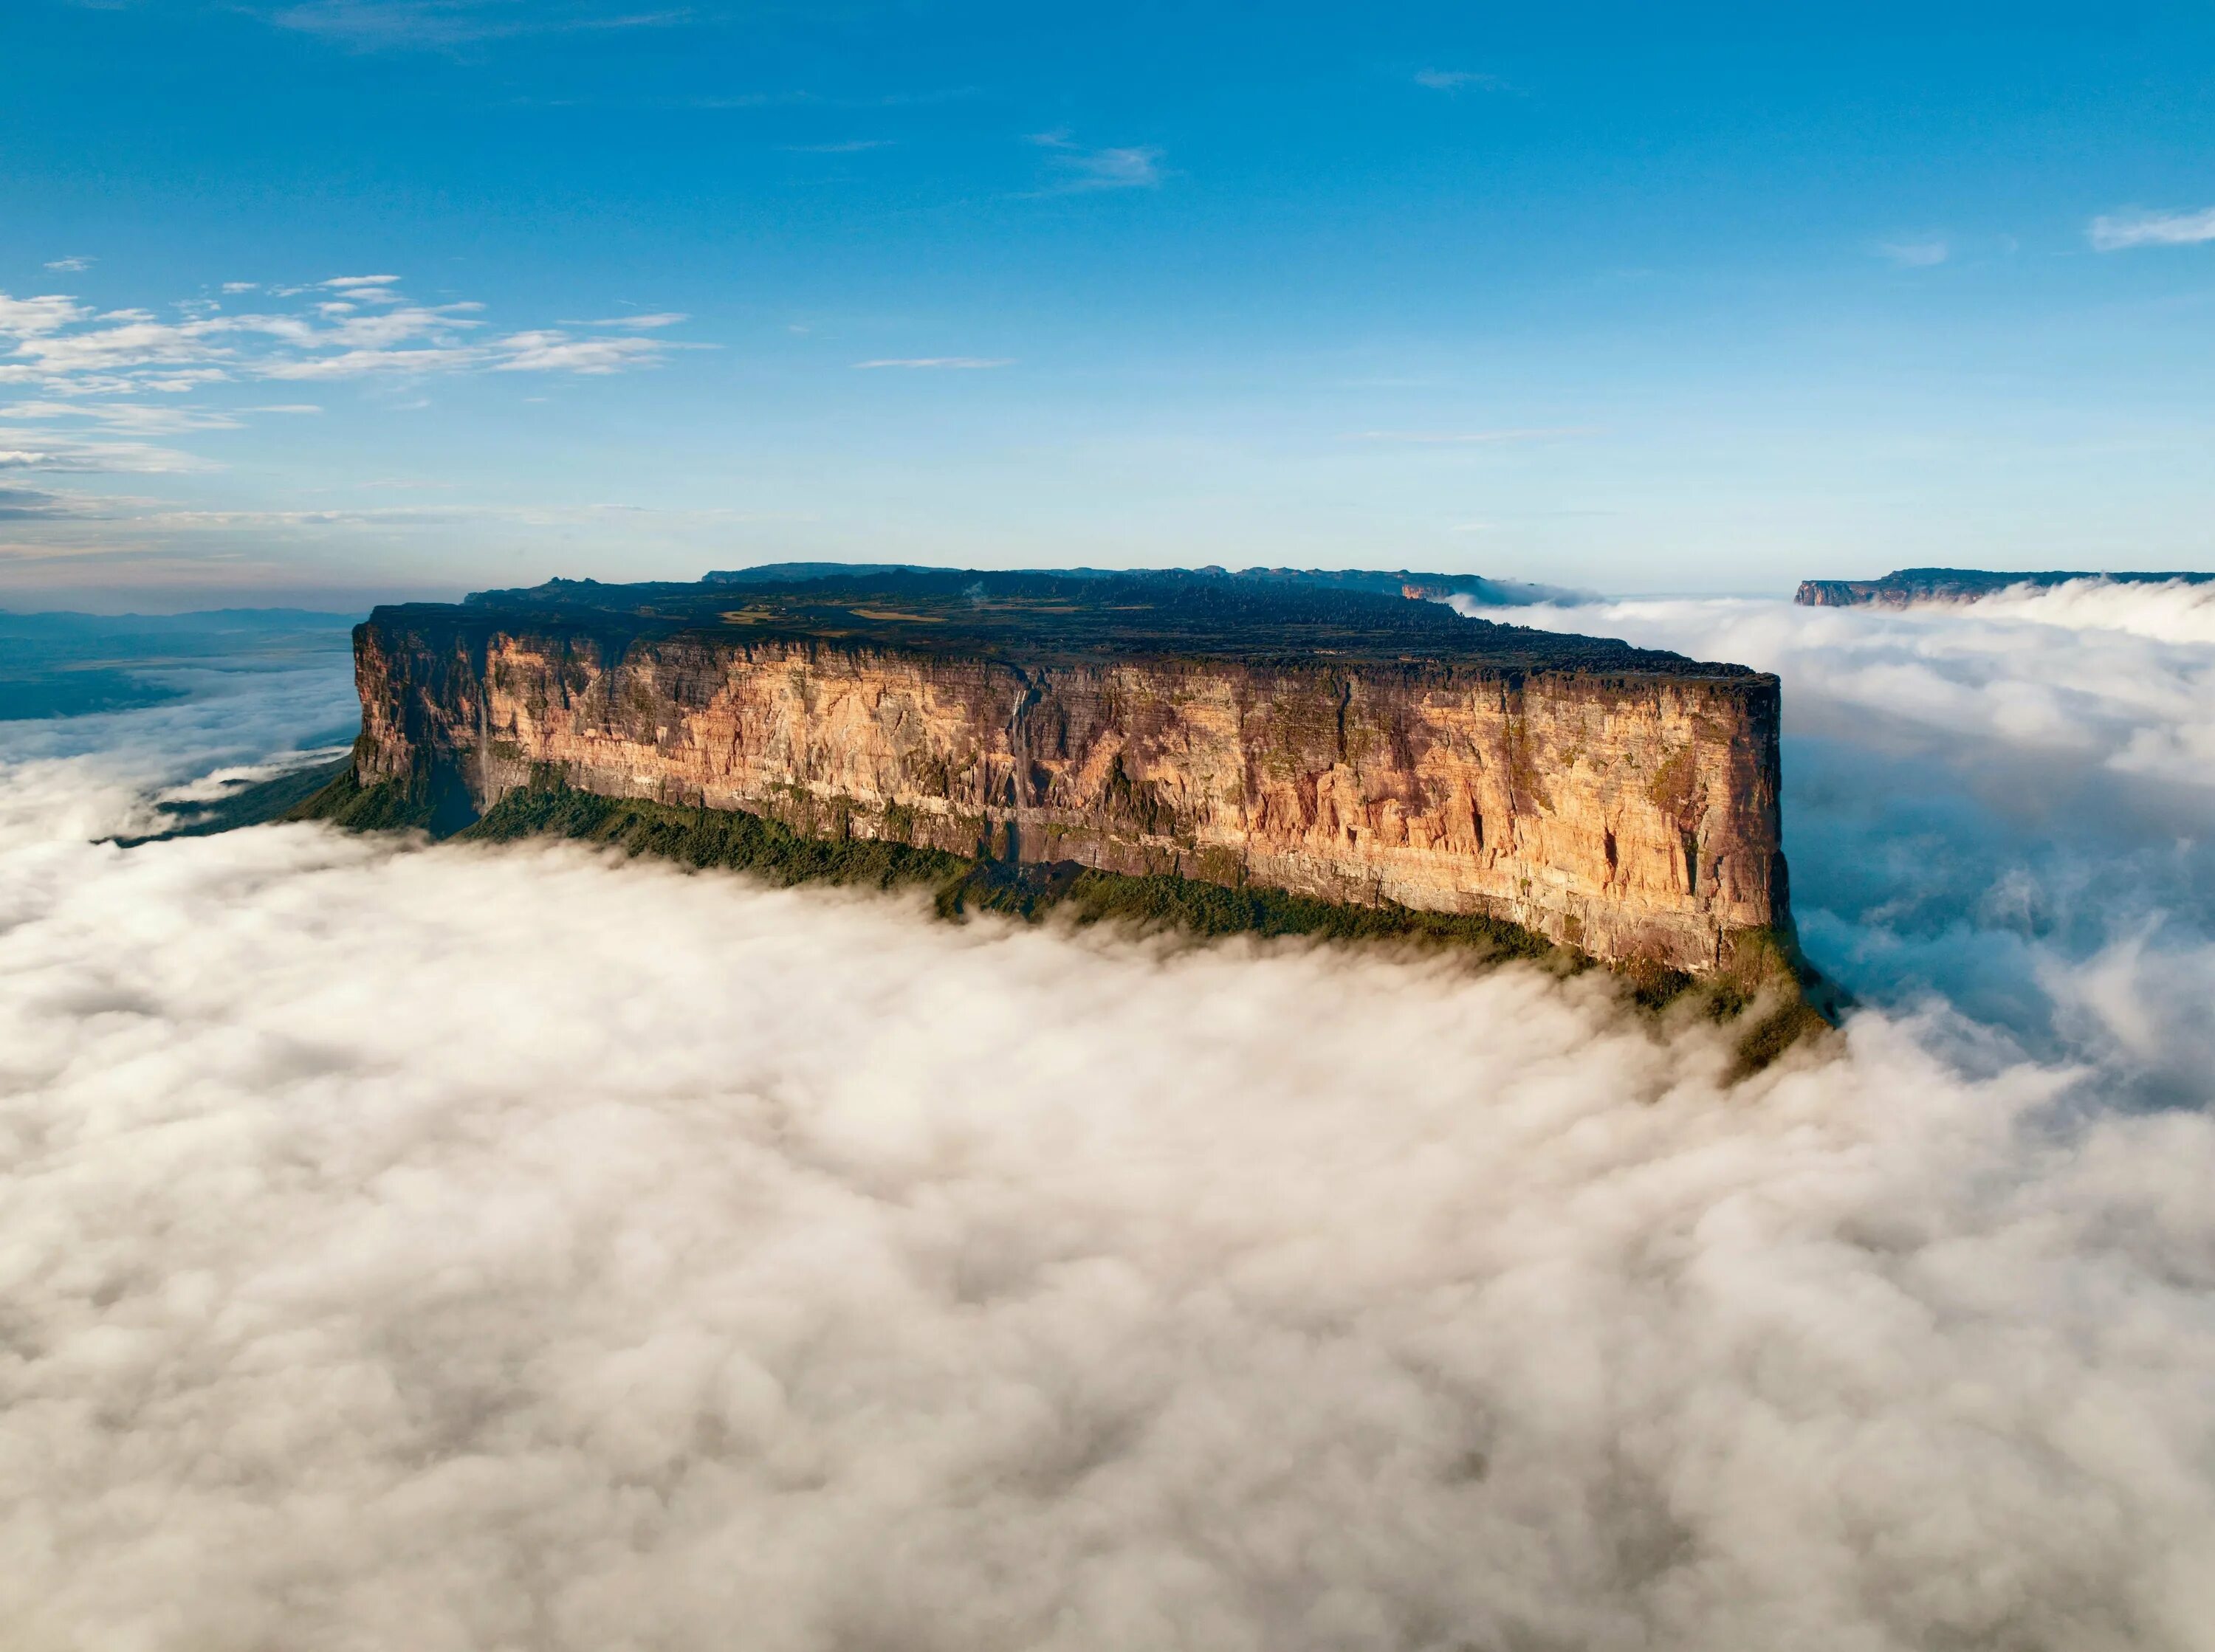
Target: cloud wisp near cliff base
x=470 y=1246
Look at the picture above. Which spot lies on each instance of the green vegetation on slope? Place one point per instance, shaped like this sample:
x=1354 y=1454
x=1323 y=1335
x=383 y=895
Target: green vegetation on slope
x=727 y=838
x=249 y=805
x=1167 y=901
x=438 y=807
x=736 y=841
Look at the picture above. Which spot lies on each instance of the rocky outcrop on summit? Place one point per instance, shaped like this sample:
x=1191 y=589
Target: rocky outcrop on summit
x=1326 y=741
x=1909 y=586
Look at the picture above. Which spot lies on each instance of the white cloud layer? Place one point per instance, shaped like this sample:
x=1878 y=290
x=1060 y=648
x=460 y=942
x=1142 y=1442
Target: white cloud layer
x=63 y=780
x=458 y=1249
x=1997 y=802
x=379 y=1271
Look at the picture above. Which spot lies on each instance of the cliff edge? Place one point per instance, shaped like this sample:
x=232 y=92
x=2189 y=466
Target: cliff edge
x=1329 y=741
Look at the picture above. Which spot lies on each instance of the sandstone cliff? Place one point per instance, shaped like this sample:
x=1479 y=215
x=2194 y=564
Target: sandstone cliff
x=1362 y=748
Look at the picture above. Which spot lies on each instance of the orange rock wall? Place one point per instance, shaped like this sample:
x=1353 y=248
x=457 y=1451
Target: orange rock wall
x=1635 y=816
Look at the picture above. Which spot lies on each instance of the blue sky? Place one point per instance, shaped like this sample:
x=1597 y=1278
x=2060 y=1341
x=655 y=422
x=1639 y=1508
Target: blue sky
x=1590 y=295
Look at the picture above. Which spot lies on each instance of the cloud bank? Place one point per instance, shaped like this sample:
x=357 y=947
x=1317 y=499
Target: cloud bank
x=65 y=781
x=1996 y=803
x=456 y=1250
x=459 y=1249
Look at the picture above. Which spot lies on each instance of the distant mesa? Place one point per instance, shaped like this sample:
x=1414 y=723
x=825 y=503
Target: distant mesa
x=1910 y=586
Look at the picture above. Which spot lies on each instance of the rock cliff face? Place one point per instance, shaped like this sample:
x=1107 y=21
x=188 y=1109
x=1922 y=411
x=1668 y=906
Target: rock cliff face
x=1359 y=748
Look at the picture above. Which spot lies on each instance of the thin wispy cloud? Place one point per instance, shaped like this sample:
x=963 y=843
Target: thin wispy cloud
x=21 y=449
x=1476 y=438
x=554 y=351
x=33 y=505
x=137 y=418
x=1131 y=167
x=1459 y=79
x=647 y=323
x=958 y=363
x=1916 y=254
x=421 y=514
x=801 y=98
x=365 y=289
x=98 y=367
x=69 y=266
x=371 y=25
x=851 y=146
x=2120 y=231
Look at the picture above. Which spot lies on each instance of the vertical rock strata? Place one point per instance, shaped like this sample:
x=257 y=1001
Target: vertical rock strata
x=1631 y=812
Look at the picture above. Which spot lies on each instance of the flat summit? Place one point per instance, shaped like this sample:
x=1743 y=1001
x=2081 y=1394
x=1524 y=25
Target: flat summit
x=1039 y=617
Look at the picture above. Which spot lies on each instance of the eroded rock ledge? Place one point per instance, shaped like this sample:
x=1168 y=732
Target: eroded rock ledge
x=1334 y=742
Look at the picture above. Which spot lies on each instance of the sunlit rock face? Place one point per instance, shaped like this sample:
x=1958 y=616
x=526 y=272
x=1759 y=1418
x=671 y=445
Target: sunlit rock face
x=1360 y=748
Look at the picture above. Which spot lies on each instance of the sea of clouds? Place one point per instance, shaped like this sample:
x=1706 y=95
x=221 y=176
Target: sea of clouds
x=2002 y=807
x=461 y=1248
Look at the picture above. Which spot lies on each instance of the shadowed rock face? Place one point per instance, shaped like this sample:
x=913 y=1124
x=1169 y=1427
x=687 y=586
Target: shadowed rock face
x=1333 y=742
x=1909 y=586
